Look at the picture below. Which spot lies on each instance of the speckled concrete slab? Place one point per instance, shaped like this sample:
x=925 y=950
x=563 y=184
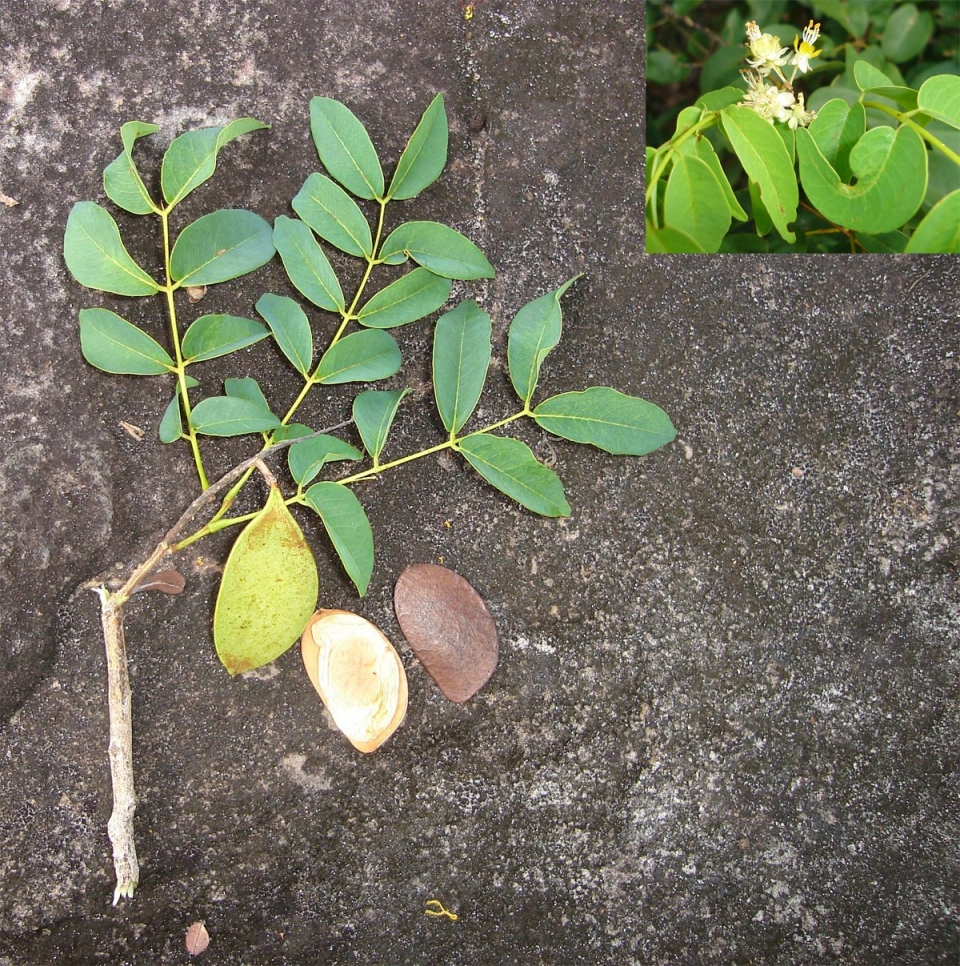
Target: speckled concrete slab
x=723 y=728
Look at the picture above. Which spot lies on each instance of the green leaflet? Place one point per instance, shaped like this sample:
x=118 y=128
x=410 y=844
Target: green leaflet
x=939 y=97
x=308 y=457
x=907 y=32
x=511 y=467
x=373 y=412
x=836 y=129
x=171 y=423
x=607 y=419
x=95 y=254
x=360 y=357
x=891 y=171
x=222 y=245
x=434 y=246
x=665 y=240
x=345 y=148
x=334 y=216
x=940 y=229
x=412 y=297
x=211 y=336
x=348 y=528
x=695 y=202
x=765 y=159
x=231 y=416
x=115 y=345
x=534 y=331
x=268 y=590
x=461 y=357
x=291 y=329
x=191 y=158
x=121 y=180
x=425 y=155
x=703 y=149
x=875 y=82
x=307 y=265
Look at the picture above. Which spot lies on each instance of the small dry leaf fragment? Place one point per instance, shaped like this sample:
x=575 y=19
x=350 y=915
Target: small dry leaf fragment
x=166 y=581
x=196 y=292
x=449 y=628
x=197 y=939
x=357 y=674
x=135 y=431
x=8 y=201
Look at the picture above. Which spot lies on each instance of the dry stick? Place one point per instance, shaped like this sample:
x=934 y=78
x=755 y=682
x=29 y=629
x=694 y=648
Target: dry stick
x=120 y=826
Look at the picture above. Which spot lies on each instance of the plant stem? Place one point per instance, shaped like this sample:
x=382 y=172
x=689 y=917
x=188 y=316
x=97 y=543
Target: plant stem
x=181 y=370
x=120 y=748
x=904 y=118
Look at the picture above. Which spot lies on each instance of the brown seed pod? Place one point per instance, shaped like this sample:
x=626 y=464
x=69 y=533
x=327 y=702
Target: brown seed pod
x=449 y=628
x=357 y=674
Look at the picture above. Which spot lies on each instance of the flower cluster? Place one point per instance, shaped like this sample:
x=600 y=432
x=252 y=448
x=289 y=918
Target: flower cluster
x=769 y=91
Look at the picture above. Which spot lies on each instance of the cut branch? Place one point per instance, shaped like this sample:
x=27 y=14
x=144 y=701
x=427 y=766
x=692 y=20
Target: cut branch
x=120 y=749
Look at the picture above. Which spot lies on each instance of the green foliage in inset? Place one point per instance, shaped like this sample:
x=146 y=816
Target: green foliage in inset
x=840 y=134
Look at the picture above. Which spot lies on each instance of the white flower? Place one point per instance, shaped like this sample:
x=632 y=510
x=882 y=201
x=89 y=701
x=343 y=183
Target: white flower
x=767 y=54
x=799 y=116
x=771 y=103
x=805 y=52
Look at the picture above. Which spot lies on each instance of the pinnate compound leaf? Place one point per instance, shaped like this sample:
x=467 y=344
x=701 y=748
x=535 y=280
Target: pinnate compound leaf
x=360 y=357
x=115 y=345
x=607 y=419
x=425 y=155
x=695 y=202
x=461 y=357
x=308 y=457
x=333 y=215
x=440 y=249
x=939 y=97
x=412 y=297
x=373 y=412
x=449 y=628
x=290 y=327
x=95 y=254
x=765 y=159
x=306 y=264
x=191 y=158
x=212 y=336
x=511 y=467
x=891 y=172
x=222 y=245
x=358 y=675
x=268 y=590
x=345 y=148
x=349 y=529
x=534 y=331
x=121 y=179
x=231 y=416
x=940 y=229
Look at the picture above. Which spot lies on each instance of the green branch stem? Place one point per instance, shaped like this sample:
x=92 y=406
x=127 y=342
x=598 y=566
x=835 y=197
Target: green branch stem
x=904 y=118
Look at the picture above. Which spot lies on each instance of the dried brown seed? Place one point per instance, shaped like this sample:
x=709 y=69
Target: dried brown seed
x=166 y=581
x=197 y=939
x=196 y=292
x=449 y=628
x=357 y=674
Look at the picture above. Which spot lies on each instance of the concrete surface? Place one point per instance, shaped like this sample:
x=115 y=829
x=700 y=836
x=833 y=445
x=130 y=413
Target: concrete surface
x=724 y=726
